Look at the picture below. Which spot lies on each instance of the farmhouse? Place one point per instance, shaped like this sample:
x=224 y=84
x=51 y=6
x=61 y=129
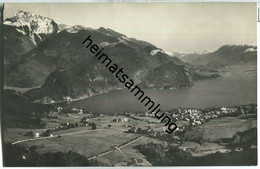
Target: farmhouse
x=121 y=120
x=36 y=134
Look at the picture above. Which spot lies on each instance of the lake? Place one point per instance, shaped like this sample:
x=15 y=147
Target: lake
x=236 y=87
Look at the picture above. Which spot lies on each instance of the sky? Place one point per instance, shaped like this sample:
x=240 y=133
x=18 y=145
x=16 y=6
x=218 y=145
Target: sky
x=186 y=27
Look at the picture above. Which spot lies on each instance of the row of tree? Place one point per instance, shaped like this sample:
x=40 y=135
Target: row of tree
x=17 y=156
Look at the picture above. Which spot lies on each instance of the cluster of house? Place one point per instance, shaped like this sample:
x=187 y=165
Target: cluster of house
x=78 y=111
x=60 y=109
x=193 y=117
x=154 y=133
x=196 y=116
x=67 y=98
x=138 y=130
x=37 y=135
x=125 y=119
x=188 y=117
x=199 y=116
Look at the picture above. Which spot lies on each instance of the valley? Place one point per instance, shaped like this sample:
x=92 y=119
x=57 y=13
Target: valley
x=114 y=138
x=63 y=108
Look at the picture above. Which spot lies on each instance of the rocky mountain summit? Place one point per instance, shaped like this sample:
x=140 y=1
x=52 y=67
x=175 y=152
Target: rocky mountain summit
x=33 y=26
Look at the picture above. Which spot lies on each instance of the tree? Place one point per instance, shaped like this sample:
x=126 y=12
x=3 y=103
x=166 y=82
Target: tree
x=29 y=133
x=94 y=126
x=76 y=125
x=47 y=133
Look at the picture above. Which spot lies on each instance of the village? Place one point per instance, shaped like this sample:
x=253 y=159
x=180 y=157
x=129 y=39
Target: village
x=142 y=123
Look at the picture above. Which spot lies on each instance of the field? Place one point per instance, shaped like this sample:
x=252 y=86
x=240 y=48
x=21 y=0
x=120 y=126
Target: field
x=92 y=143
x=89 y=143
x=110 y=144
x=128 y=154
x=198 y=150
x=221 y=128
x=112 y=140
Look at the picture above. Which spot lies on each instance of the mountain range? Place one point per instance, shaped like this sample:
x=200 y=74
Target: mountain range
x=38 y=51
x=225 y=55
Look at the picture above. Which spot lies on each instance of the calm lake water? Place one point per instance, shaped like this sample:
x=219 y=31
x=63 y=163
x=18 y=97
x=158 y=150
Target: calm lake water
x=236 y=87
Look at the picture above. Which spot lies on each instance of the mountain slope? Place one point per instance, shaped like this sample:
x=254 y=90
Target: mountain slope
x=230 y=55
x=82 y=75
x=22 y=33
x=63 y=51
x=20 y=112
x=167 y=76
x=64 y=68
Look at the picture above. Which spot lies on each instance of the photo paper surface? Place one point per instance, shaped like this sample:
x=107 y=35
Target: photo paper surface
x=129 y=84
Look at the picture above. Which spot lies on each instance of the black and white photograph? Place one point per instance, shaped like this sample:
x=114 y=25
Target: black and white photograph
x=129 y=84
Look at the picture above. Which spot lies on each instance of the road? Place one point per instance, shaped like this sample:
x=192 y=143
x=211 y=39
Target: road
x=78 y=132
x=67 y=134
x=110 y=151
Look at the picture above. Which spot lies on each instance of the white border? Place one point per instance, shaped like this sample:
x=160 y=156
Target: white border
x=100 y=1
x=108 y=1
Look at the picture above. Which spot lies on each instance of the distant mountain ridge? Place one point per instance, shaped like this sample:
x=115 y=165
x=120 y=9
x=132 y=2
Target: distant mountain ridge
x=65 y=69
x=189 y=56
x=231 y=55
x=226 y=55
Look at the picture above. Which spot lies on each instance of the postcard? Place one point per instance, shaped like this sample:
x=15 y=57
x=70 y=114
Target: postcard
x=129 y=84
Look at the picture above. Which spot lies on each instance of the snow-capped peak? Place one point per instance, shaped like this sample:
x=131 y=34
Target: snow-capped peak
x=203 y=52
x=71 y=29
x=155 y=51
x=181 y=53
x=250 y=50
x=32 y=25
